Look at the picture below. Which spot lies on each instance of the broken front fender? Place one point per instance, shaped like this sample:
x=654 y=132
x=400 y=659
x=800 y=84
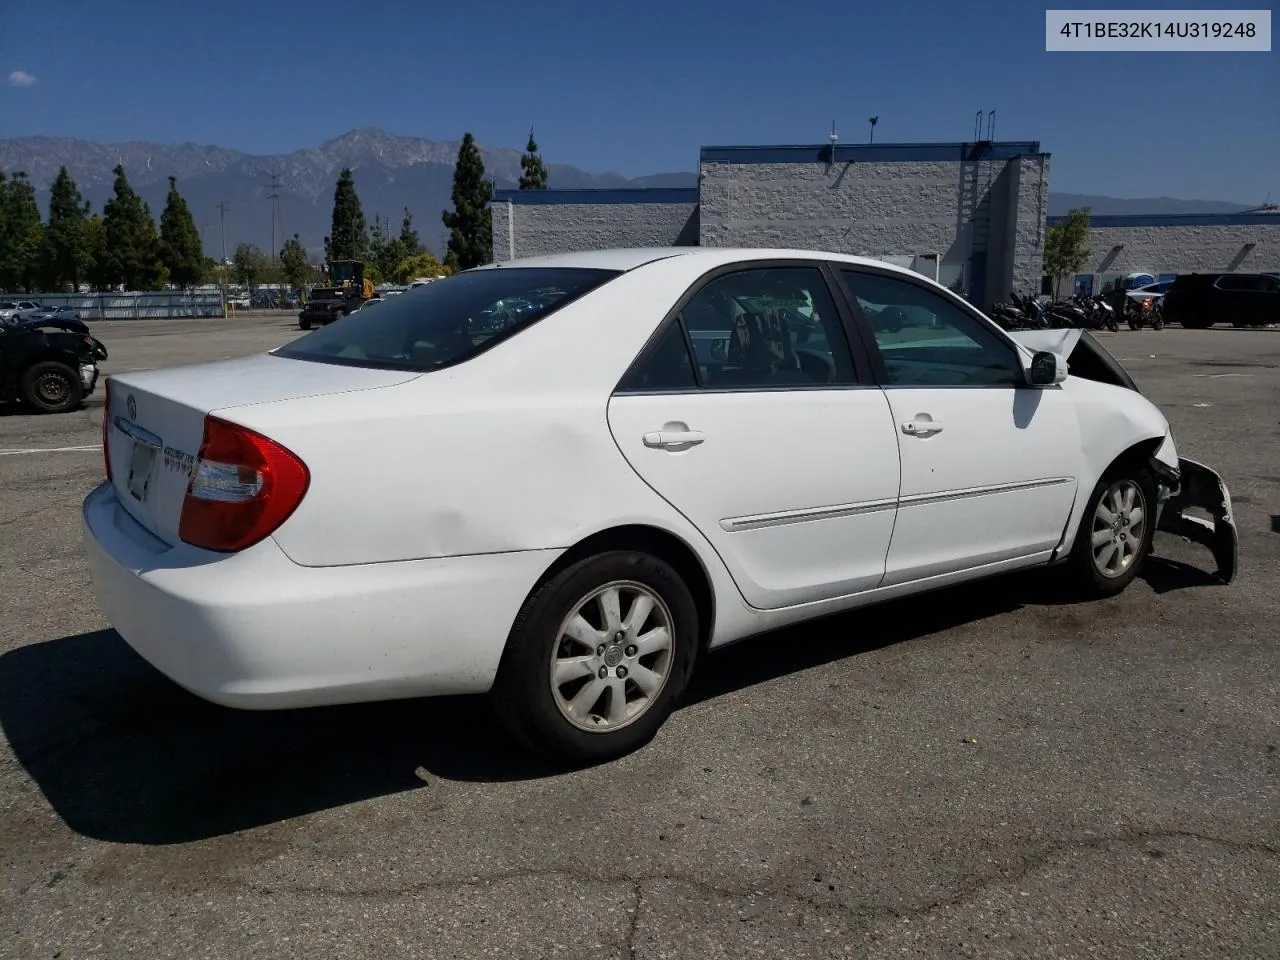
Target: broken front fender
x=1203 y=488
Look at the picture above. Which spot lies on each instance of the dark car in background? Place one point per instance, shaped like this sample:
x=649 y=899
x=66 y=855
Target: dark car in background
x=49 y=370
x=1199 y=300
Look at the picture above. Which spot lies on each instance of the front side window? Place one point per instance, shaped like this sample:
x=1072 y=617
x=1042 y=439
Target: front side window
x=925 y=340
x=768 y=327
x=448 y=321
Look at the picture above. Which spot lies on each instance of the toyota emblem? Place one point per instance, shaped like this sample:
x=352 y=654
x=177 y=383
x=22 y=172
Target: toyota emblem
x=132 y=406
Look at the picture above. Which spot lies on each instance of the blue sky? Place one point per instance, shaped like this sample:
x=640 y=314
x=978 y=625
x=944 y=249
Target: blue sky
x=638 y=88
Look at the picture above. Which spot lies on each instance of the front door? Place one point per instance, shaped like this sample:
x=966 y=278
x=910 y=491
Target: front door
x=749 y=416
x=989 y=464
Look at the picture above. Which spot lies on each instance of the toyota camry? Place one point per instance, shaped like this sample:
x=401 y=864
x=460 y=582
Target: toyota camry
x=564 y=480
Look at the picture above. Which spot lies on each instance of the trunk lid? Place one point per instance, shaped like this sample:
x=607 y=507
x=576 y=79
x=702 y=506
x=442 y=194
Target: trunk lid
x=157 y=420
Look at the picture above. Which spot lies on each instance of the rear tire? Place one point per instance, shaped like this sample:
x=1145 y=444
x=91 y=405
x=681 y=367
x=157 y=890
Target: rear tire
x=1115 y=534
x=51 y=387
x=304 y=324
x=579 y=681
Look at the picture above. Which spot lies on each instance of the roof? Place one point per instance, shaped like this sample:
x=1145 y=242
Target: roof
x=599 y=195
x=632 y=257
x=1247 y=218
x=954 y=152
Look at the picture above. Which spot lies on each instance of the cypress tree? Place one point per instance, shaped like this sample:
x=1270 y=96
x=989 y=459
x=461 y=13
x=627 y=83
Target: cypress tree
x=66 y=245
x=181 y=251
x=410 y=245
x=132 y=247
x=348 y=234
x=534 y=175
x=21 y=234
x=470 y=222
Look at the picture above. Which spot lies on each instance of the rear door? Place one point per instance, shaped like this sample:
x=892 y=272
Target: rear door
x=989 y=464
x=773 y=443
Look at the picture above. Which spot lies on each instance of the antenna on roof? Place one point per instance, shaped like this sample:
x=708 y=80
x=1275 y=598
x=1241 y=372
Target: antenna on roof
x=873 y=121
x=977 y=126
x=832 y=139
x=991 y=126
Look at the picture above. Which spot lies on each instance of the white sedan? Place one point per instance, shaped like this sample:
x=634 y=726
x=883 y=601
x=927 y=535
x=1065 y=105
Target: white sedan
x=568 y=504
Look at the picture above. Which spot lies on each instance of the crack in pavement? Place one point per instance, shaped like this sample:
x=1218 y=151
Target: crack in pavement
x=634 y=931
x=861 y=915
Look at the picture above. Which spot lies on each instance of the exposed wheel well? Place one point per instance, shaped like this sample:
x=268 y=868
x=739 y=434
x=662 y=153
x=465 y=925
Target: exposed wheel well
x=1138 y=454
x=659 y=543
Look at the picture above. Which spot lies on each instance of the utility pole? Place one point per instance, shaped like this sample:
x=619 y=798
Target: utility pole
x=274 y=197
x=222 y=267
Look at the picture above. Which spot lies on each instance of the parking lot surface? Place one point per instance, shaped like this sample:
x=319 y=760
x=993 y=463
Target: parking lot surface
x=988 y=774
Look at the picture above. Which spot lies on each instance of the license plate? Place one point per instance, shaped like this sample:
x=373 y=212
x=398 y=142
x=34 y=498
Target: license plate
x=141 y=463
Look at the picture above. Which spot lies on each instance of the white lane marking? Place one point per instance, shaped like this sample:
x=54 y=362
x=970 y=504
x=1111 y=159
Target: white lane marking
x=14 y=453
x=1219 y=376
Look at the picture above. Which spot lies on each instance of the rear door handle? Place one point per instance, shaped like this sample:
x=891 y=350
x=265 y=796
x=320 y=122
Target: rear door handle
x=921 y=428
x=673 y=437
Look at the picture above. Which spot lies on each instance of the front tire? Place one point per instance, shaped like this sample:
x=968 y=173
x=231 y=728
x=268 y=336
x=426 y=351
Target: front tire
x=1115 y=533
x=51 y=387
x=598 y=658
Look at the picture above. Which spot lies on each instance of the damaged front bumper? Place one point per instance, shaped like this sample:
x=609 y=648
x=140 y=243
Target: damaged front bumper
x=1196 y=486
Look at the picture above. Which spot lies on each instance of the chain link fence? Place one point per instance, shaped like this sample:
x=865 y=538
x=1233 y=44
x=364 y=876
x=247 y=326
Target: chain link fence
x=157 y=305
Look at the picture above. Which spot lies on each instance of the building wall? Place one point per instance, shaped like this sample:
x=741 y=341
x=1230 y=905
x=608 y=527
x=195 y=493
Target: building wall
x=978 y=207
x=1185 y=244
x=559 y=221
x=1191 y=243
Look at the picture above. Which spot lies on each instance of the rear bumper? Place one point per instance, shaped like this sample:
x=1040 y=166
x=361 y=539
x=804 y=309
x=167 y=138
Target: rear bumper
x=254 y=630
x=1202 y=488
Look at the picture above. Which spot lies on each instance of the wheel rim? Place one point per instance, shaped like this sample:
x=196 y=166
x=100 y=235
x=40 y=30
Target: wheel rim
x=612 y=656
x=52 y=388
x=1119 y=528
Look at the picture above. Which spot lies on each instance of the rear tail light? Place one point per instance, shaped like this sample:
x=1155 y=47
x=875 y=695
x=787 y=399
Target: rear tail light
x=243 y=487
x=106 y=427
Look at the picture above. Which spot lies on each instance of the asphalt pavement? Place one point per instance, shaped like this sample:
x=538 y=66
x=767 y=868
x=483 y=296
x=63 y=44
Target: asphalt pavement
x=990 y=773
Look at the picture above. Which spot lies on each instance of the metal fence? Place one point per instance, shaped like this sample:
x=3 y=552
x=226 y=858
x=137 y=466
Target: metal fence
x=133 y=306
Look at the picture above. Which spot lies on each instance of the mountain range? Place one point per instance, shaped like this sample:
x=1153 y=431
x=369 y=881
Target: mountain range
x=391 y=172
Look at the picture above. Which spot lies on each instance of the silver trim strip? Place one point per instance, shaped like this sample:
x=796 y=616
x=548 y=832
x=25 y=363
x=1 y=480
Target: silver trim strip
x=919 y=499
x=738 y=524
x=782 y=518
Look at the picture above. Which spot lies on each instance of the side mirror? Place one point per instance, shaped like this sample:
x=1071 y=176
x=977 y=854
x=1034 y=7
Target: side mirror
x=1046 y=369
x=720 y=350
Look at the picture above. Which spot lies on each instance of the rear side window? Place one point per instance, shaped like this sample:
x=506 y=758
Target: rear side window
x=448 y=321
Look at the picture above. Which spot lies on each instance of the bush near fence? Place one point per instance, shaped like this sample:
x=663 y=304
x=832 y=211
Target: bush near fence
x=157 y=305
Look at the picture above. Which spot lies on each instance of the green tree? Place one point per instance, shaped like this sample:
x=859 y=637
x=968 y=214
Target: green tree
x=248 y=265
x=97 y=269
x=21 y=234
x=293 y=261
x=470 y=222
x=410 y=245
x=180 y=248
x=348 y=233
x=384 y=253
x=1066 y=246
x=534 y=175
x=132 y=245
x=419 y=265
x=66 y=254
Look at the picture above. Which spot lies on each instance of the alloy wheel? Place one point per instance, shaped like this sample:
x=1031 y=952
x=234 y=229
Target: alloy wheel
x=612 y=656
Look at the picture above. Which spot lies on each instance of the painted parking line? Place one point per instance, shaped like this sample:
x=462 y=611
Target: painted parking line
x=83 y=449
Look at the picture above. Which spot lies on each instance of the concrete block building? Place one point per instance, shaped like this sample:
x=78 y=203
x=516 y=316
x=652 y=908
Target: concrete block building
x=1164 y=246
x=970 y=215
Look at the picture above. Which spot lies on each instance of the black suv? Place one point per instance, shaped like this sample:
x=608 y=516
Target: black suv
x=51 y=371
x=1199 y=300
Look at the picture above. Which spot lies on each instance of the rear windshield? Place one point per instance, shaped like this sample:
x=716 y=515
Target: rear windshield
x=448 y=321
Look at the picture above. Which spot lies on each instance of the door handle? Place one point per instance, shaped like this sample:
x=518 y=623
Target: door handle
x=921 y=427
x=673 y=439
